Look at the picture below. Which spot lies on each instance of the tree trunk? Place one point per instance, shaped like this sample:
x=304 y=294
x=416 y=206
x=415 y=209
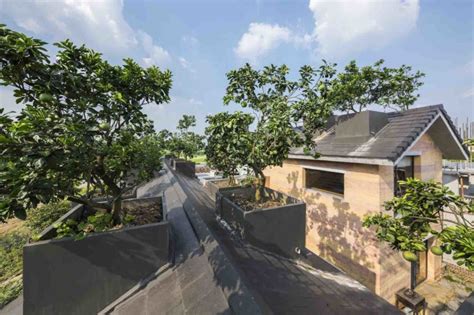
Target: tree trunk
x=117 y=210
x=259 y=185
x=231 y=180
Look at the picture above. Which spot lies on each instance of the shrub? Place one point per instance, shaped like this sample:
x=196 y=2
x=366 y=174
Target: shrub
x=10 y=290
x=43 y=216
x=11 y=265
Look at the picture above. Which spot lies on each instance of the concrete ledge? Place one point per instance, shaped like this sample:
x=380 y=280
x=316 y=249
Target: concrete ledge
x=67 y=276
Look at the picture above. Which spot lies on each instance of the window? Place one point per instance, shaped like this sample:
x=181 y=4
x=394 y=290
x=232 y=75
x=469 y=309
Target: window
x=404 y=169
x=324 y=180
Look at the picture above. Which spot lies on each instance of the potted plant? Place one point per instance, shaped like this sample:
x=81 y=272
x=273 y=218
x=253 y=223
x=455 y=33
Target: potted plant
x=227 y=146
x=426 y=209
x=81 y=131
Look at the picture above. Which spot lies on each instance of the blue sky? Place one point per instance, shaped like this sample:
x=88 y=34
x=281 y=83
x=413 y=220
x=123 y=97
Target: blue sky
x=201 y=40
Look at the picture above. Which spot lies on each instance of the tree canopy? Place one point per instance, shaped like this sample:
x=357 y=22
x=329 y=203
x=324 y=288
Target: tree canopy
x=186 y=122
x=228 y=141
x=278 y=105
x=355 y=88
x=82 y=122
x=427 y=208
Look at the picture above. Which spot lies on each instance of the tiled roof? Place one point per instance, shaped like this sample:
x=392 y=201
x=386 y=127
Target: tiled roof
x=389 y=143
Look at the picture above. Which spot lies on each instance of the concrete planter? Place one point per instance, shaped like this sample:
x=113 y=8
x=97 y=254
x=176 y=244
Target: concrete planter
x=280 y=229
x=173 y=161
x=215 y=185
x=185 y=167
x=67 y=276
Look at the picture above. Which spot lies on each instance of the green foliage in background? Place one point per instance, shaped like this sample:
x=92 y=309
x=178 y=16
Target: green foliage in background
x=150 y=149
x=185 y=143
x=43 y=216
x=427 y=208
x=11 y=265
x=200 y=158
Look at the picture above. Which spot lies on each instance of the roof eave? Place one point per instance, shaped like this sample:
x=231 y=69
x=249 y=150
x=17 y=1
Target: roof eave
x=342 y=159
x=441 y=115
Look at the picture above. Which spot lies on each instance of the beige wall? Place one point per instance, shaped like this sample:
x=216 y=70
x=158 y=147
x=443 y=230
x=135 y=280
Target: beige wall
x=334 y=222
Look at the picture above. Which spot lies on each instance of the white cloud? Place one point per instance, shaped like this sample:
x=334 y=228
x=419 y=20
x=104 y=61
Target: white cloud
x=195 y=102
x=190 y=40
x=260 y=39
x=155 y=55
x=186 y=64
x=98 y=24
x=351 y=26
x=470 y=67
x=468 y=93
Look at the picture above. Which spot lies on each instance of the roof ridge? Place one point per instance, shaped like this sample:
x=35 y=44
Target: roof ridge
x=398 y=112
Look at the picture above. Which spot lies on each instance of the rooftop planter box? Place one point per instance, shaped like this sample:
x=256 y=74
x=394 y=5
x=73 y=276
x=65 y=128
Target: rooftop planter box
x=67 y=276
x=279 y=229
x=172 y=161
x=220 y=184
x=185 y=167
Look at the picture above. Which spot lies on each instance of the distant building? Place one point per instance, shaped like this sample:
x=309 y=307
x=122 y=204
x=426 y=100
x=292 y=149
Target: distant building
x=362 y=157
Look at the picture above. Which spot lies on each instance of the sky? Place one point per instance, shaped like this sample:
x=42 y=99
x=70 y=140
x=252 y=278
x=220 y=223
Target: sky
x=200 y=41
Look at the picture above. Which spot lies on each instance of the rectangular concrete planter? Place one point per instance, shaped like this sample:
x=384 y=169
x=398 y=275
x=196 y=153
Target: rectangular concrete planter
x=215 y=185
x=185 y=167
x=67 y=276
x=280 y=229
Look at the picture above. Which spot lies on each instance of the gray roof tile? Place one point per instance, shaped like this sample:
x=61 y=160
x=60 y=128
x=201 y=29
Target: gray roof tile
x=389 y=143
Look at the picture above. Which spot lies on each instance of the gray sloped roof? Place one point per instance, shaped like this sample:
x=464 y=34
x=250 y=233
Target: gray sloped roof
x=394 y=138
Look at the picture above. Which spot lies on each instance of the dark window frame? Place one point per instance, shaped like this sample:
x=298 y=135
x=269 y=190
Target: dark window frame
x=397 y=175
x=325 y=188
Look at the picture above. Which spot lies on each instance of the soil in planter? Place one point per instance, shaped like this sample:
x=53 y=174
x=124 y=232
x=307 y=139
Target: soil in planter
x=250 y=204
x=146 y=214
x=101 y=221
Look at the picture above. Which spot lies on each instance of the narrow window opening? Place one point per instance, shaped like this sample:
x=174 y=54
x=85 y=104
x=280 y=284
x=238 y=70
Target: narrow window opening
x=403 y=170
x=324 y=180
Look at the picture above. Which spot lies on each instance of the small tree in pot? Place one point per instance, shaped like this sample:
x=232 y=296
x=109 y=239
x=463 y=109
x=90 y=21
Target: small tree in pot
x=279 y=106
x=427 y=208
x=228 y=142
x=82 y=123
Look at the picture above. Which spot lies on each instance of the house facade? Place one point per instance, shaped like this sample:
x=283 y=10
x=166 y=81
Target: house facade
x=362 y=157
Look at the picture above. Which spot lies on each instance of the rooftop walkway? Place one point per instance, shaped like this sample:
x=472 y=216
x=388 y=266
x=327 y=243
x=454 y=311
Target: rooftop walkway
x=308 y=286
